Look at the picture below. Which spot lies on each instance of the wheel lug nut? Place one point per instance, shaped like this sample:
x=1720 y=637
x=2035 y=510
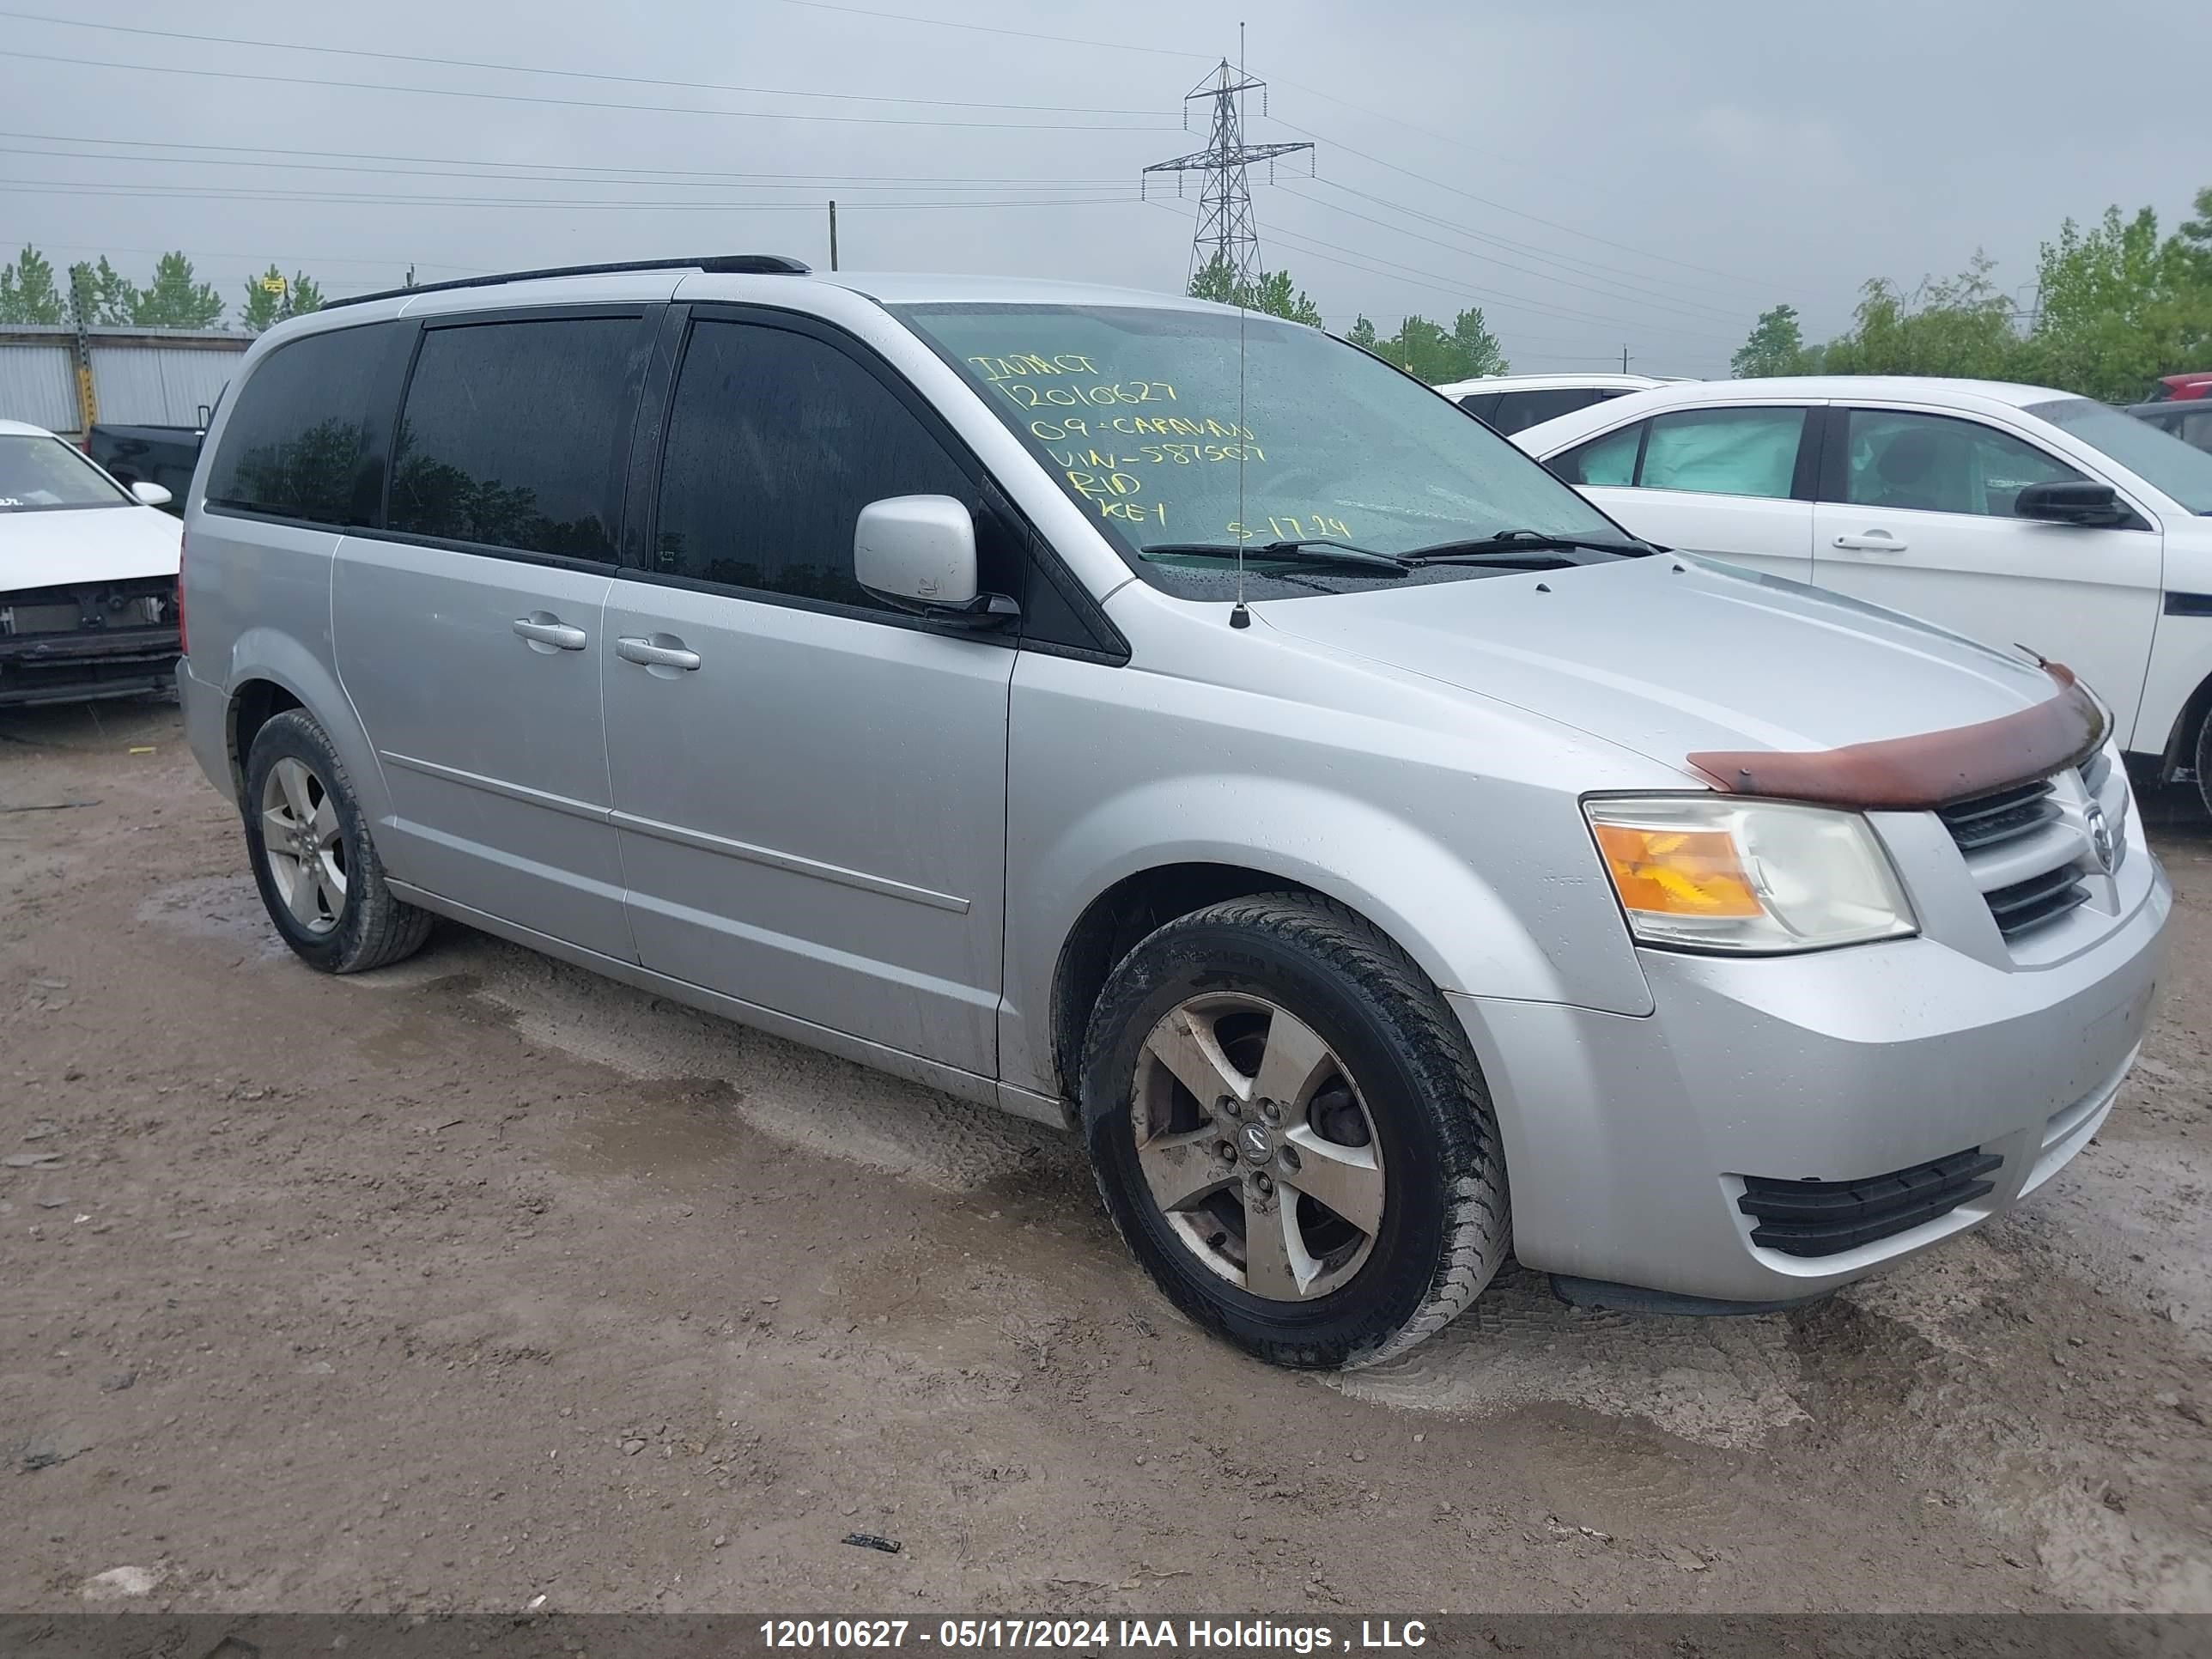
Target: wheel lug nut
x=1262 y=1185
x=1290 y=1155
x=1224 y=1150
x=1228 y=1106
x=1271 y=1111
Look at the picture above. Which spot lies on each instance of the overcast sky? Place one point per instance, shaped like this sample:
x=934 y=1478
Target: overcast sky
x=1604 y=174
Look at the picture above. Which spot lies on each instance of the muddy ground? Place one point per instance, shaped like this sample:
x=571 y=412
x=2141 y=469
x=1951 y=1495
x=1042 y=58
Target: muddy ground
x=481 y=1280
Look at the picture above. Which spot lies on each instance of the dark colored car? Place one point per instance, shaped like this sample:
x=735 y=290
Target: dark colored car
x=165 y=455
x=2189 y=419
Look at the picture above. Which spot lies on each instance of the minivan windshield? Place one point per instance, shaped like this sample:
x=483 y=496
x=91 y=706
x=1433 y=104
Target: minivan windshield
x=2151 y=452
x=1186 y=432
x=39 y=473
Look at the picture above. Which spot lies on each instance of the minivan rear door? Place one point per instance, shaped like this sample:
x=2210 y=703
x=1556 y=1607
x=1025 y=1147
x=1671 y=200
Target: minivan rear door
x=469 y=630
x=809 y=786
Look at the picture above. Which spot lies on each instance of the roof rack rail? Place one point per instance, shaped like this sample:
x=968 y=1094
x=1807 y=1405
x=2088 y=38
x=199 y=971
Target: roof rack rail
x=718 y=264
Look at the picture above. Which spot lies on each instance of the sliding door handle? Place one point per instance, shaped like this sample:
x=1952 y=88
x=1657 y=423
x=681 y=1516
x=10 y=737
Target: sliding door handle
x=661 y=651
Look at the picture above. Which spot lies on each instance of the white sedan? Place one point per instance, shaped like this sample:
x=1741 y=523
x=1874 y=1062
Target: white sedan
x=88 y=576
x=2013 y=514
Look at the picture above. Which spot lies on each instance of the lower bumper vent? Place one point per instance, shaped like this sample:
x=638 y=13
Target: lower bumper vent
x=1827 y=1218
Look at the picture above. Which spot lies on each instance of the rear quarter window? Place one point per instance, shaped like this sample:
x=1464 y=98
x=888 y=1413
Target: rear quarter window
x=306 y=427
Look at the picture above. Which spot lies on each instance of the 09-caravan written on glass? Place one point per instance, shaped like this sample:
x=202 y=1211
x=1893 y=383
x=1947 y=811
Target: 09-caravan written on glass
x=1138 y=414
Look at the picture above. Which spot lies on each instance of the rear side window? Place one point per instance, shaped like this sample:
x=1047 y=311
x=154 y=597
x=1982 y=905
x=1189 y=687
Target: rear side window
x=1519 y=410
x=776 y=442
x=514 y=434
x=304 y=428
x=1724 y=452
x=1483 y=406
x=1608 y=460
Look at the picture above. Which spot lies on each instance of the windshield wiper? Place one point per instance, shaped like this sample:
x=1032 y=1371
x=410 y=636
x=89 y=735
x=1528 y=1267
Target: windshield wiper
x=1513 y=546
x=1312 y=550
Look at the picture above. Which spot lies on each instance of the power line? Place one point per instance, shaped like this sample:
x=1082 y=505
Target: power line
x=195 y=192
x=525 y=167
x=565 y=74
x=546 y=175
x=987 y=28
x=576 y=103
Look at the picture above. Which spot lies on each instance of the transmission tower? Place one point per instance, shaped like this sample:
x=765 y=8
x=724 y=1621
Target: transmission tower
x=1225 y=229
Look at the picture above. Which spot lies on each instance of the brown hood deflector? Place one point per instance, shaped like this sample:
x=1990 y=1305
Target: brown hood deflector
x=1904 y=775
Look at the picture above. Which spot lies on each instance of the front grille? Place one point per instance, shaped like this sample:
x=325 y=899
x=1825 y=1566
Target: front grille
x=1827 y=1218
x=2025 y=861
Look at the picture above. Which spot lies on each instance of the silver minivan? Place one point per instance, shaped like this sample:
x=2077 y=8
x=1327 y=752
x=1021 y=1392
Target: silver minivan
x=1181 y=725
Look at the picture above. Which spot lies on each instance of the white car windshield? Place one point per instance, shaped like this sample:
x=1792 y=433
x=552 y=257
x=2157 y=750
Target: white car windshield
x=38 y=474
x=2152 y=454
x=1184 y=433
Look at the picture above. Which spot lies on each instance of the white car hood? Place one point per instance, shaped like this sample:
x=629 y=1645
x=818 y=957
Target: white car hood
x=86 y=545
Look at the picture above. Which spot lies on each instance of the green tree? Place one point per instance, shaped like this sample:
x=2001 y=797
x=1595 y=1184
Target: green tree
x=1776 y=346
x=1362 y=333
x=27 y=294
x=2120 y=306
x=1274 y=293
x=105 y=293
x=1478 y=347
x=266 y=306
x=174 y=300
x=1960 y=325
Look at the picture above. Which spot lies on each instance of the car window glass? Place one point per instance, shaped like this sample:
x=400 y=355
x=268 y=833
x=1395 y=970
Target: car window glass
x=776 y=442
x=512 y=435
x=1608 y=460
x=1724 y=452
x=1483 y=406
x=1519 y=410
x=1935 y=464
x=38 y=472
x=294 y=444
x=2196 y=428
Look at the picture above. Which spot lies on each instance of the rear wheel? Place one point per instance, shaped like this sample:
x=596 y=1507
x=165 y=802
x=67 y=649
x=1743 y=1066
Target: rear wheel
x=1289 y=1129
x=319 y=876
x=2204 y=761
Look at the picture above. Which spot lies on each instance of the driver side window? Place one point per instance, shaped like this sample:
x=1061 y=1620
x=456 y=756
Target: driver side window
x=1939 y=463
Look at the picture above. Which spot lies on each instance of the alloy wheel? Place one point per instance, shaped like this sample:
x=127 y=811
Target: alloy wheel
x=300 y=838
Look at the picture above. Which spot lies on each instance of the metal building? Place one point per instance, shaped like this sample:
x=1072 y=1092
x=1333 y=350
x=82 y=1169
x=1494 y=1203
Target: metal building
x=137 y=376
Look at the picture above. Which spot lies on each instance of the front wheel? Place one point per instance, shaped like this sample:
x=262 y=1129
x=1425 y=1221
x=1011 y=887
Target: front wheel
x=1289 y=1129
x=2204 y=761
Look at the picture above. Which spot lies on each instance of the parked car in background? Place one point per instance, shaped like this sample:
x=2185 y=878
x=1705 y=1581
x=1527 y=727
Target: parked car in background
x=163 y=455
x=2181 y=388
x=1507 y=403
x=1374 y=850
x=2013 y=514
x=2189 y=419
x=88 y=576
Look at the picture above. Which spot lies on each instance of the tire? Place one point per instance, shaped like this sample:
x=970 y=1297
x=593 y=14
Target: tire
x=346 y=920
x=1377 y=1054
x=2204 y=761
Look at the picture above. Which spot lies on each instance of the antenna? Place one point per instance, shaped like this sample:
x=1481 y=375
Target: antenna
x=1238 y=616
x=1226 y=231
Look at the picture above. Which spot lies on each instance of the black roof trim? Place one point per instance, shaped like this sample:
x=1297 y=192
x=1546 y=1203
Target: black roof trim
x=717 y=265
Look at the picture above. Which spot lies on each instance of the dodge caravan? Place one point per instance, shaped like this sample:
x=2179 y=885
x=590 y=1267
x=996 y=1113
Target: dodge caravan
x=1180 y=725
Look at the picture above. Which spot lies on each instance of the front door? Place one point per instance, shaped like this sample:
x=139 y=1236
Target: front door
x=1727 y=482
x=1918 y=516
x=809 y=786
x=469 y=631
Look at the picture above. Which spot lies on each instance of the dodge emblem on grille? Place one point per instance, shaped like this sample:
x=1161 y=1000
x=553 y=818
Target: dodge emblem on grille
x=2100 y=836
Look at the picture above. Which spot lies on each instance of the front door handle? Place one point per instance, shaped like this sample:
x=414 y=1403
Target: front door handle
x=1874 y=541
x=661 y=651
x=544 y=628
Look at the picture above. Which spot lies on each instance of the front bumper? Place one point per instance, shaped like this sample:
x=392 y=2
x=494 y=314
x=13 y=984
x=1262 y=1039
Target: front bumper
x=1627 y=1139
x=81 y=667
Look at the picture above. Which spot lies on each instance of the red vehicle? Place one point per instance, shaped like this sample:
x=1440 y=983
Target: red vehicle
x=2178 y=388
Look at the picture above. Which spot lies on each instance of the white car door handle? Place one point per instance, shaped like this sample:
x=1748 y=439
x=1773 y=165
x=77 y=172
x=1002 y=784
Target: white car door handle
x=1874 y=541
x=545 y=629
x=631 y=648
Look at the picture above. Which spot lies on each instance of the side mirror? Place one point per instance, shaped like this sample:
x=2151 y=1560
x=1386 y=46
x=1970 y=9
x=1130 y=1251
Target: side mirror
x=2091 y=504
x=918 y=552
x=152 y=495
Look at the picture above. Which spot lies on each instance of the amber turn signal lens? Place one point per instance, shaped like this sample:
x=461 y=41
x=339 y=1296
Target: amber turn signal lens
x=1679 y=872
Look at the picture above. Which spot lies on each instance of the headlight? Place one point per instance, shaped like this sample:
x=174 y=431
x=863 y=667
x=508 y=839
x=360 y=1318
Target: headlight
x=1715 y=874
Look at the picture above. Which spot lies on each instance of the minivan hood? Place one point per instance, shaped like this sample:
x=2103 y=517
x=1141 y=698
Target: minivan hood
x=1670 y=654
x=86 y=545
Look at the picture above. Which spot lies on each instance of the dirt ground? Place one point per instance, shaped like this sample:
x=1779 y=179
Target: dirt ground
x=481 y=1280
